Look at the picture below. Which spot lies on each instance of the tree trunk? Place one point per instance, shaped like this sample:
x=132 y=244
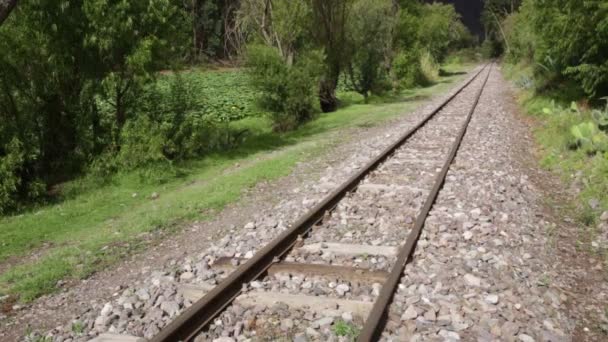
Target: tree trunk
x=327 y=92
x=6 y=7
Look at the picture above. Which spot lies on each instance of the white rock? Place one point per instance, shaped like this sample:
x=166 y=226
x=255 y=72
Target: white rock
x=186 y=276
x=468 y=235
x=525 y=338
x=449 y=335
x=475 y=213
x=376 y=287
x=170 y=307
x=312 y=332
x=342 y=289
x=492 y=299
x=107 y=309
x=347 y=317
x=324 y=321
x=472 y=280
x=409 y=314
x=224 y=339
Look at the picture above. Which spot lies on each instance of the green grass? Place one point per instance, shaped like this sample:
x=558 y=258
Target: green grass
x=345 y=329
x=559 y=153
x=100 y=225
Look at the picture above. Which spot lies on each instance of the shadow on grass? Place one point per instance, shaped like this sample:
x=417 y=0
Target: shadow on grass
x=446 y=73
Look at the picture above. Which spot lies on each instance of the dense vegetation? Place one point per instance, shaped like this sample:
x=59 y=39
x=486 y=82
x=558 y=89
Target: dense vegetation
x=557 y=52
x=564 y=41
x=84 y=90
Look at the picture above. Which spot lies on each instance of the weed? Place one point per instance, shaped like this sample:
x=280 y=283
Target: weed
x=343 y=328
x=544 y=280
x=32 y=336
x=77 y=327
x=587 y=216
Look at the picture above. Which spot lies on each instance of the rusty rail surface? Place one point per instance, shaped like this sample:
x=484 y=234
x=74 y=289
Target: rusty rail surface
x=198 y=316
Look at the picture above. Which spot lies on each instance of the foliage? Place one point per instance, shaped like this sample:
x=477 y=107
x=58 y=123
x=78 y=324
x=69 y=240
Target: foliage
x=406 y=69
x=288 y=91
x=429 y=69
x=424 y=36
x=13 y=175
x=601 y=116
x=66 y=57
x=369 y=34
x=215 y=33
x=223 y=95
x=567 y=40
x=440 y=28
x=282 y=24
x=342 y=328
x=589 y=138
x=584 y=168
x=329 y=31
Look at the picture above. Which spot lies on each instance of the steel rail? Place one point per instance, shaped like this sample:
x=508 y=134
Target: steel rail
x=374 y=324
x=192 y=321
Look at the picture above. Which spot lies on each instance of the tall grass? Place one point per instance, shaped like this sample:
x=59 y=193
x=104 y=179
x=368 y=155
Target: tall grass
x=429 y=69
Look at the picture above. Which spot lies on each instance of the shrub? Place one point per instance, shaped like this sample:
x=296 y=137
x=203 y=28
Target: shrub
x=142 y=144
x=406 y=69
x=288 y=92
x=429 y=69
x=10 y=178
x=589 y=138
x=567 y=41
x=601 y=116
x=16 y=185
x=369 y=35
x=415 y=68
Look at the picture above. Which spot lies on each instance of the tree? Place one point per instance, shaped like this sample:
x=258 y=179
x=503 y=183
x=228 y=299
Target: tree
x=65 y=64
x=370 y=29
x=282 y=24
x=6 y=7
x=566 y=41
x=329 y=25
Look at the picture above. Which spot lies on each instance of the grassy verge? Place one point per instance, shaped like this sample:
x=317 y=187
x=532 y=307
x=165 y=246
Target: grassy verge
x=584 y=167
x=102 y=225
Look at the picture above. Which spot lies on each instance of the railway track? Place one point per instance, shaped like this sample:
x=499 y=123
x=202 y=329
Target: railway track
x=346 y=256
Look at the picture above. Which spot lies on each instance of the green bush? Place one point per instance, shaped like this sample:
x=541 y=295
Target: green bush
x=370 y=35
x=406 y=69
x=589 y=138
x=288 y=92
x=601 y=116
x=415 y=68
x=10 y=177
x=169 y=124
x=429 y=69
x=15 y=183
x=567 y=40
